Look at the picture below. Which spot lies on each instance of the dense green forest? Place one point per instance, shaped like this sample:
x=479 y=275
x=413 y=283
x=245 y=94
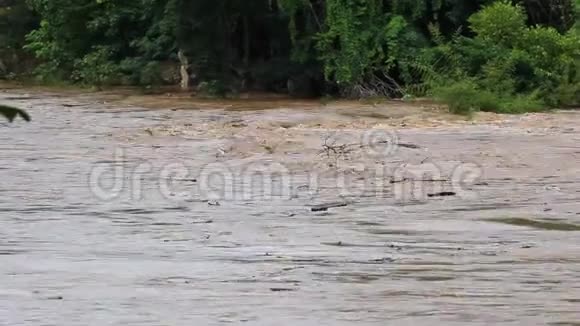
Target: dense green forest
x=497 y=55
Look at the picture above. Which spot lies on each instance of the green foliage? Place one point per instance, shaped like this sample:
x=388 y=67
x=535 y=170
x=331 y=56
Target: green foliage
x=500 y=23
x=466 y=97
x=304 y=23
x=565 y=94
x=361 y=39
x=11 y=113
x=151 y=74
x=525 y=68
x=213 y=88
x=96 y=68
x=576 y=24
x=521 y=104
x=16 y=20
x=351 y=46
x=558 y=14
x=87 y=41
x=61 y=37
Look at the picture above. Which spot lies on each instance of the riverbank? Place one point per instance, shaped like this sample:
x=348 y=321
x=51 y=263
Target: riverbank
x=393 y=113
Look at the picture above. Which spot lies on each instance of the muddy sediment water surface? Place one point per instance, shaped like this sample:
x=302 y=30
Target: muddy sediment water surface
x=115 y=213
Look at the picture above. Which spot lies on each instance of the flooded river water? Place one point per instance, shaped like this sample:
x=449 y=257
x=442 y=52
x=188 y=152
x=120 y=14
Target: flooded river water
x=114 y=214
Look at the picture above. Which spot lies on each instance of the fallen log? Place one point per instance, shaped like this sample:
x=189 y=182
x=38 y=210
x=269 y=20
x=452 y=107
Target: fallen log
x=442 y=194
x=406 y=145
x=325 y=207
x=393 y=181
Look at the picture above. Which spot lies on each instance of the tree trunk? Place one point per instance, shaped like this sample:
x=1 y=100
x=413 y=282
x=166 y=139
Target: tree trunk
x=183 y=70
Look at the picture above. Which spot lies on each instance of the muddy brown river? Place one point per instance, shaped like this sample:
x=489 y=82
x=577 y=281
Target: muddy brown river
x=114 y=213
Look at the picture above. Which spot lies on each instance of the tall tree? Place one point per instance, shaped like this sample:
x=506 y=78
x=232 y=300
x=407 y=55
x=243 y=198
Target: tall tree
x=16 y=20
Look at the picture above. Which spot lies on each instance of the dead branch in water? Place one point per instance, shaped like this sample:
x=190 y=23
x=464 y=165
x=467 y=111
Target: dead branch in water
x=337 y=151
x=342 y=150
x=381 y=85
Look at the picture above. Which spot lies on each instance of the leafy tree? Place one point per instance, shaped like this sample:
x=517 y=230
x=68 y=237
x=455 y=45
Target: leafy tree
x=525 y=48
x=559 y=14
x=516 y=63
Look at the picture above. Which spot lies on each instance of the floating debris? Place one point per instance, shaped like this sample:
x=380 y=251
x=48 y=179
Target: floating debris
x=442 y=194
x=537 y=224
x=325 y=207
x=406 y=145
x=282 y=290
